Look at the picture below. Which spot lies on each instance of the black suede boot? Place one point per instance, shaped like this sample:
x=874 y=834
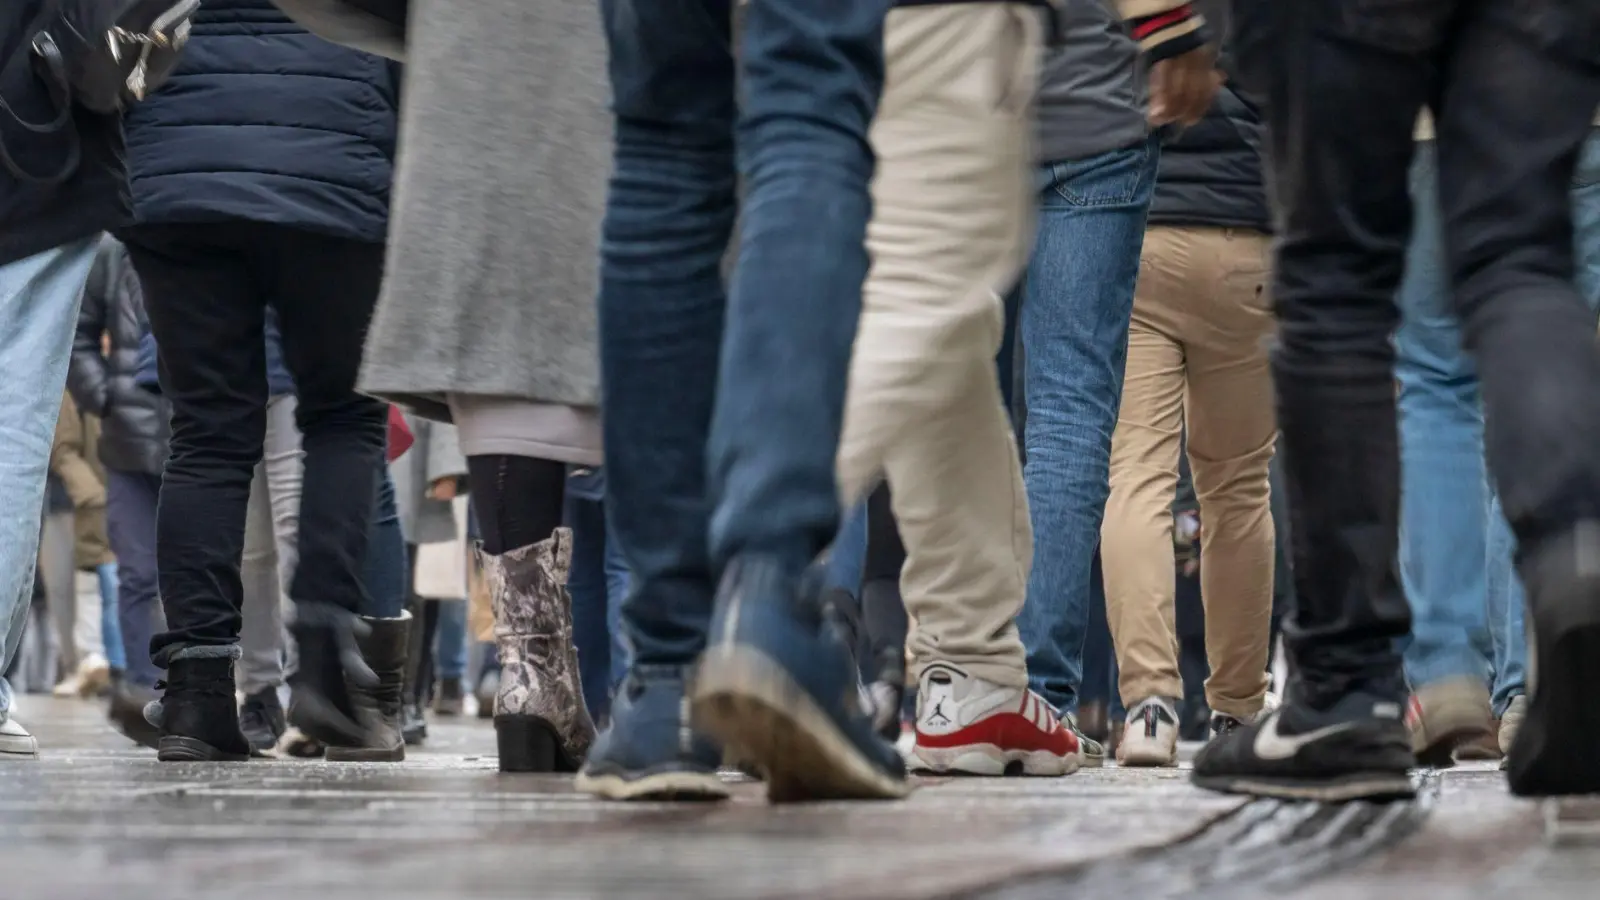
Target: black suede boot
x=198 y=715
x=378 y=706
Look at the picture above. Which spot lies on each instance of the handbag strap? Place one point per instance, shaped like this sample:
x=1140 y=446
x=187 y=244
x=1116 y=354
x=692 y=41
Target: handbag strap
x=35 y=37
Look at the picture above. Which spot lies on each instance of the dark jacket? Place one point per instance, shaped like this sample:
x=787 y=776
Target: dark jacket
x=1212 y=174
x=39 y=217
x=134 y=422
x=264 y=122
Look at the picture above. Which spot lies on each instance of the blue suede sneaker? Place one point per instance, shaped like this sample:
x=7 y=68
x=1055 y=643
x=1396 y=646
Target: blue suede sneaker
x=778 y=687
x=649 y=752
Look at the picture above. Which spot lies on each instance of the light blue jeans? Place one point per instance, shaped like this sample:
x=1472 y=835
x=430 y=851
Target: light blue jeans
x=39 y=298
x=1076 y=302
x=110 y=626
x=1466 y=616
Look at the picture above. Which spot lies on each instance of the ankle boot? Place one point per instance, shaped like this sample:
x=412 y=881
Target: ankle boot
x=383 y=648
x=540 y=721
x=329 y=643
x=198 y=714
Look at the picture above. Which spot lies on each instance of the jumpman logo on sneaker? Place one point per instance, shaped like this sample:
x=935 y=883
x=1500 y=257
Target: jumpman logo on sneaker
x=936 y=715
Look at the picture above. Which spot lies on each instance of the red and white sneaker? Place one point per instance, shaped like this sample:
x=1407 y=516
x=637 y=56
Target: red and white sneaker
x=969 y=726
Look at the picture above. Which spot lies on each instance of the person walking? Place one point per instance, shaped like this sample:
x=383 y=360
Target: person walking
x=260 y=177
x=103 y=379
x=1197 y=384
x=60 y=188
x=487 y=319
x=1467 y=657
x=1513 y=89
x=95 y=637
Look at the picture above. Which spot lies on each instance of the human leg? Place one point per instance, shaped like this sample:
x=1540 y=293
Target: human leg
x=1076 y=302
x=38 y=310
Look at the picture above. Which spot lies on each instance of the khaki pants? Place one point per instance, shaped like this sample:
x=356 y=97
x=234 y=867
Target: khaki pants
x=1197 y=353
x=952 y=226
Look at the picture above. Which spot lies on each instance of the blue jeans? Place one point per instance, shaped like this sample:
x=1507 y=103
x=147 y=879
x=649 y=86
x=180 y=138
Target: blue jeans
x=848 y=555
x=131 y=527
x=1465 y=617
x=450 y=640
x=1076 y=302
x=598 y=583
x=383 y=573
x=723 y=408
x=39 y=298
x=110 y=628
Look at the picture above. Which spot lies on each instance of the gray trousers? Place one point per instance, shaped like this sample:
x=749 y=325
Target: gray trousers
x=272 y=526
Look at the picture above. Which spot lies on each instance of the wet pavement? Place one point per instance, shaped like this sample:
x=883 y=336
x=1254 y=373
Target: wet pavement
x=96 y=817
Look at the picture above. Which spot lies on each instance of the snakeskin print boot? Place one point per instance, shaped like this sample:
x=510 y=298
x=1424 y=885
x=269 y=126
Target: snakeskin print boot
x=540 y=721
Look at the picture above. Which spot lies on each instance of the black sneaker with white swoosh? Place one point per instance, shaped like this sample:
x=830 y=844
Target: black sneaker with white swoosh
x=1358 y=749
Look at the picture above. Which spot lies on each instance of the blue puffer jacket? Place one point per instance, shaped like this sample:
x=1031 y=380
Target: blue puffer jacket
x=263 y=122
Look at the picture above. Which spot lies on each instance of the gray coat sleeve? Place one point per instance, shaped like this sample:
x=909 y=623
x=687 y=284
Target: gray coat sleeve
x=444 y=453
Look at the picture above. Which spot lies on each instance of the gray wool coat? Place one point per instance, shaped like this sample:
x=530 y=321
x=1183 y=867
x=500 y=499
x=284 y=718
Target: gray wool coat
x=505 y=150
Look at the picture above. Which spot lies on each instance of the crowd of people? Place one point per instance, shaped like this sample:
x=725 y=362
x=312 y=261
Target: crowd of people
x=830 y=390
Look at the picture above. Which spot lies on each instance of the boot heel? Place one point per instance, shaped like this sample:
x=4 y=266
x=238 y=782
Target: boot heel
x=176 y=748
x=529 y=744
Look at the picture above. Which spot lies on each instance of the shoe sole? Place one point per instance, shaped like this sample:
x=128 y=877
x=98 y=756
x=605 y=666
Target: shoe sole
x=990 y=762
x=1147 y=757
x=750 y=703
x=174 y=748
x=19 y=748
x=365 y=754
x=1374 y=786
x=1554 y=750
x=660 y=786
x=531 y=744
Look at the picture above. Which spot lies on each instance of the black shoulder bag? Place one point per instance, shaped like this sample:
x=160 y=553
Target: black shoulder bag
x=102 y=55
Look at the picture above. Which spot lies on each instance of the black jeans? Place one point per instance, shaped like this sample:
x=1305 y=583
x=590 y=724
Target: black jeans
x=1514 y=86
x=207 y=288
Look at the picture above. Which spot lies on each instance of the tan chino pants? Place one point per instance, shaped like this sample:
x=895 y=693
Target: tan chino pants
x=1197 y=354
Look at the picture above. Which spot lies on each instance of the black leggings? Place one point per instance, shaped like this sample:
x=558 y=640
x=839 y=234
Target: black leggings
x=518 y=499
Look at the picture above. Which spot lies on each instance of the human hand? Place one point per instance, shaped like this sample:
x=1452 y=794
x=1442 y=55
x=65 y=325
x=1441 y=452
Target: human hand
x=1182 y=87
x=444 y=489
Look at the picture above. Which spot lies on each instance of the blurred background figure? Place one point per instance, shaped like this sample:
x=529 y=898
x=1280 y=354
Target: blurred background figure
x=104 y=380
x=96 y=638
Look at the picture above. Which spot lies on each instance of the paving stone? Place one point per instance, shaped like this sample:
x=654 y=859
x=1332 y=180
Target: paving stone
x=97 y=817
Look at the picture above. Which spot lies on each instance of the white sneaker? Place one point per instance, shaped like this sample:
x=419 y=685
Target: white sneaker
x=90 y=678
x=1221 y=723
x=970 y=726
x=1151 y=737
x=16 y=742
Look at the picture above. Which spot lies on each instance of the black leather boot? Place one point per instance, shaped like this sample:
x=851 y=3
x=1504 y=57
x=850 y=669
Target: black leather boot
x=198 y=715
x=329 y=640
x=378 y=706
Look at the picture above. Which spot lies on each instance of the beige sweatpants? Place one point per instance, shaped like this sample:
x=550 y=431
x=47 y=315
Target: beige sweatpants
x=951 y=230
x=1197 y=354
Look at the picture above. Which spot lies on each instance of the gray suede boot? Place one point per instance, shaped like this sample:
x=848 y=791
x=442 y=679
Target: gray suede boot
x=540 y=721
